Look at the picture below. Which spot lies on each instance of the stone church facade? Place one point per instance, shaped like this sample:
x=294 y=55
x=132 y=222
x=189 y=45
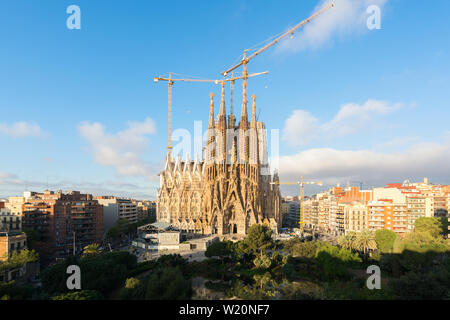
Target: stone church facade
x=231 y=188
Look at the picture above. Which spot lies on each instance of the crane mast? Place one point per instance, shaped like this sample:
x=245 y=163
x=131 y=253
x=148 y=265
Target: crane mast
x=170 y=82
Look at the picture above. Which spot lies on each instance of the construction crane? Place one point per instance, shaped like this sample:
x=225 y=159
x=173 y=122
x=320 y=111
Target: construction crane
x=171 y=81
x=245 y=60
x=302 y=184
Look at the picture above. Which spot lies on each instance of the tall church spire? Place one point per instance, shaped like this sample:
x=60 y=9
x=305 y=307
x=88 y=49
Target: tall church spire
x=222 y=131
x=253 y=123
x=211 y=141
x=244 y=113
x=222 y=100
x=231 y=117
x=211 y=111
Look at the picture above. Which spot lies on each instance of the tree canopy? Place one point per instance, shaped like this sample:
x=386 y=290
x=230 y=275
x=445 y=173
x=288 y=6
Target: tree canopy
x=385 y=240
x=219 y=249
x=80 y=295
x=258 y=239
x=168 y=284
x=18 y=259
x=429 y=225
x=91 y=249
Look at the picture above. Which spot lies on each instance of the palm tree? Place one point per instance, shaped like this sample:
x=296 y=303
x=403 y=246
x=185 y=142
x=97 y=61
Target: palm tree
x=365 y=241
x=91 y=249
x=347 y=241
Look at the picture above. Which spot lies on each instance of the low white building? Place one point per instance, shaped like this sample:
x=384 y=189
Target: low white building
x=162 y=236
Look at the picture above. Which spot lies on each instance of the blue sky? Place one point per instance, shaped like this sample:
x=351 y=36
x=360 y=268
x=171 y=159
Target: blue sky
x=350 y=103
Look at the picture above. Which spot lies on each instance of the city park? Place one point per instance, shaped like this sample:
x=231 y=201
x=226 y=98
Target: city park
x=416 y=266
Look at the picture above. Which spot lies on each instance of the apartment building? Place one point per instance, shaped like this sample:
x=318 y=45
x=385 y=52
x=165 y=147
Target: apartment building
x=110 y=211
x=340 y=201
x=395 y=207
x=323 y=213
x=119 y=208
x=340 y=219
x=311 y=212
x=9 y=222
x=291 y=213
x=351 y=194
x=356 y=217
x=284 y=213
x=11 y=242
x=333 y=216
x=417 y=206
x=385 y=214
x=64 y=221
x=128 y=210
x=15 y=205
x=145 y=209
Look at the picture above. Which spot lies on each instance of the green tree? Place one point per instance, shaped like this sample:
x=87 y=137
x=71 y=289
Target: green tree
x=220 y=249
x=258 y=240
x=80 y=295
x=419 y=286
x=423 y=242
x=429 y=225
x=365 y=241
x=91 y=249
x=113 y=233
x=385 y=240
x=18 y=259
x=171 y=260
x=168 y=284
x=334 y=261
x=262 y=261
x=263 y=280
x=103 y=272
x=13 y=291
x=131 y=283
x=288 y=245
x=54 y=277
x=445 y=224
x=106 y=272
x=347 y=241
x=33 y=236
x=134 y=289
x=305 y=249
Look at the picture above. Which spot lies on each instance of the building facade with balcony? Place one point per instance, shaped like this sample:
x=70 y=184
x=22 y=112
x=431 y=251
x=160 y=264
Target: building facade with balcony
x=64 y=221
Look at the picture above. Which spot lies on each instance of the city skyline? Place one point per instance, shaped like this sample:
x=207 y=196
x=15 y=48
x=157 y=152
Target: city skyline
x=94 y=121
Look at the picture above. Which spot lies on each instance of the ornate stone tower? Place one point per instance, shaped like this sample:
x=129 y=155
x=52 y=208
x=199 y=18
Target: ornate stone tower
x=226 y=192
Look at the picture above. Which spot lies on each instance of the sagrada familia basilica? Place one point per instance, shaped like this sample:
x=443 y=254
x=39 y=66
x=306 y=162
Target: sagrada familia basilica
x=231 y=188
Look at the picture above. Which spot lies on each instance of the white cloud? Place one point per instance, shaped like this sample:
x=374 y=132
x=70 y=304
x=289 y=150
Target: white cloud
x=430 y=159
x=10 y=179
x=11 y=184
x=302 y=127
x=4 y=176
x=21 y=129
x=353 y=117
x=122 y=150
x=347 y=16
